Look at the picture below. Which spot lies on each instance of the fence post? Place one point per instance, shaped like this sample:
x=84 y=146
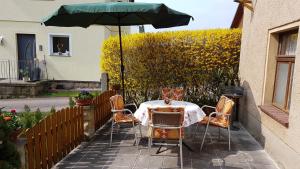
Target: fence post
x=104 y=82
x=20 y=144
x=89 y=121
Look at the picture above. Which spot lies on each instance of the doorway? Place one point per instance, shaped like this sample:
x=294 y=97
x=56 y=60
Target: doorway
x=26 y=46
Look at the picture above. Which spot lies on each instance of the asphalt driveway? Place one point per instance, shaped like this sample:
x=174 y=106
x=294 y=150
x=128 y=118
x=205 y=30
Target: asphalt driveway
x=44 y=104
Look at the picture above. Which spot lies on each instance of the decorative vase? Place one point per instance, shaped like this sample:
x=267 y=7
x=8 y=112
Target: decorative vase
x=167 y=101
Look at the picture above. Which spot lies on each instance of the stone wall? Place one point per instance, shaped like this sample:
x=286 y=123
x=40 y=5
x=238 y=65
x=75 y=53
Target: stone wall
x=25 y=89
x=69 y=85
x=33 y=89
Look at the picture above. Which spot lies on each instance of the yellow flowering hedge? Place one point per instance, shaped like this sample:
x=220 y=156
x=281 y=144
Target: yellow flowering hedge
x=197 y=60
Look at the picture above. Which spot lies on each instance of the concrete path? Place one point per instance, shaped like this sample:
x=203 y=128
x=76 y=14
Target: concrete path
x=44 y=104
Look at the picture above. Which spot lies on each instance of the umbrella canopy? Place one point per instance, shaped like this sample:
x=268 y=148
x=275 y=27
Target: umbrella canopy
x=117 y=14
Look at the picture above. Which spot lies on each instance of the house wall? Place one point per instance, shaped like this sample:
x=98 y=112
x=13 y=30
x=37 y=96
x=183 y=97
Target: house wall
x=24 y=17
x=257 y=71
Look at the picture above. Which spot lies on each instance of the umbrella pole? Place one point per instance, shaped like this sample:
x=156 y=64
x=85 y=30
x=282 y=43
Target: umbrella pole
x=122 y=65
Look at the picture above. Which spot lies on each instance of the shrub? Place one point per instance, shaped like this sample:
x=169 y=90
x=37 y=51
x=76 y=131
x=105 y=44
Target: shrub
x=38 y=115
x=84 y=95
x=71 y=102
x=27 y=108
x=199 y=61
x=52 y=110
x=9 y=157
x=29 y=119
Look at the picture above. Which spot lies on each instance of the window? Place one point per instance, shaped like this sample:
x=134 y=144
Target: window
x=59 y=45
x=284 y=70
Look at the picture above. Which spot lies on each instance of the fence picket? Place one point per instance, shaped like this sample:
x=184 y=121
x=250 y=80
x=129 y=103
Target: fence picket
x=37 y=145
x=30 y=148
x=49 y=141
x=54 y=148
x=43 y=143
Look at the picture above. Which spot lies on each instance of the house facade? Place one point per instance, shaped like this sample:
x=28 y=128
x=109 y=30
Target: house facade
x=27 y=47
x=270 y=73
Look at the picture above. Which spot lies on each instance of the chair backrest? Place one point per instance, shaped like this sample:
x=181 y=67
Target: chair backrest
x=224 y=106
x=116 y=102
x=221 y=103
x=166 y=92
x=178 y=94
x=166 y=116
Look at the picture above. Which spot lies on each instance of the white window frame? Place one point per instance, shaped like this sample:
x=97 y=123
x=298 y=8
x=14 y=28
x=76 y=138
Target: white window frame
x=50 y=44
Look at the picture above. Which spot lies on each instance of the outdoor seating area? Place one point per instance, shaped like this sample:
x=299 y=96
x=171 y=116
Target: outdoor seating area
x=171 y=134
x=245 y=152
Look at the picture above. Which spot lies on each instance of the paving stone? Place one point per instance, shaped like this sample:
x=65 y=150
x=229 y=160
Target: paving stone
x=246 y=152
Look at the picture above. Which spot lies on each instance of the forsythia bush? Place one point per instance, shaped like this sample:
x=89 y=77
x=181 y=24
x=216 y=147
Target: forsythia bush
x=200 y=61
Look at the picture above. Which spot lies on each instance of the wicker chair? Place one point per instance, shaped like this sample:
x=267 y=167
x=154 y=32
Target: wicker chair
x=165 y=123
x=222 y=115
x=120 y=117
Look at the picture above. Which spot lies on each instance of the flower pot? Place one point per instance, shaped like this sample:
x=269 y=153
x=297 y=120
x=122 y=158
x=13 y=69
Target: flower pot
x=83 y=102
x=14 y=135
x=234 y=90
x=26 y=79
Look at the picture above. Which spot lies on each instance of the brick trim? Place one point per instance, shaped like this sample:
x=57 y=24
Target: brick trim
x=276 y=114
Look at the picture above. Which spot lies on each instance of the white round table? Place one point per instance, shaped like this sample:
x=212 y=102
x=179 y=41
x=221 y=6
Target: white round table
x=192 y=112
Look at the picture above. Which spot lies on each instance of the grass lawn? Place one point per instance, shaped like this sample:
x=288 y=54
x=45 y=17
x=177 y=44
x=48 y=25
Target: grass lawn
x=66 y=93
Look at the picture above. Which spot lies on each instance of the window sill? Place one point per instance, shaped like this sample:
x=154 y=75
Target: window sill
x=276 y=114
x=60 y=55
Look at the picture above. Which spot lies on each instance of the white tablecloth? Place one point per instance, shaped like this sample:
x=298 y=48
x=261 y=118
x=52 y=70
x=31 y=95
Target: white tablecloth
x=192 y=112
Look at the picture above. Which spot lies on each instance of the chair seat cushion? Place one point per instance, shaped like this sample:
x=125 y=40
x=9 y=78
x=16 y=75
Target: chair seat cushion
x=170 y=134
x=124 y=118
x=215 y=121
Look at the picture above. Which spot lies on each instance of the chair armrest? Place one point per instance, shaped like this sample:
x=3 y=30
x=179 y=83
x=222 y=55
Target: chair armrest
x=217 y=113
x=122 y=110
x=208 y=107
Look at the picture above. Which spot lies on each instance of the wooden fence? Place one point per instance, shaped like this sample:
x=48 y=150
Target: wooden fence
x=53 y=138
x=102 y=108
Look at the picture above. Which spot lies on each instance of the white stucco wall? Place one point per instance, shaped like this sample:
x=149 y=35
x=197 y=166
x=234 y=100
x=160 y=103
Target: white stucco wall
x=24 y=17
x=282 y=143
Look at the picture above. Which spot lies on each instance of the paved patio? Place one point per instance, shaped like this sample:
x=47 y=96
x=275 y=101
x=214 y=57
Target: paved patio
x=246 y=153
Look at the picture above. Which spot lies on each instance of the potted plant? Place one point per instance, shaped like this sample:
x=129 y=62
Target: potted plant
x=10 y=158
x=13 y=123
x=25 y=74
x=84 y=98
x=232 y=83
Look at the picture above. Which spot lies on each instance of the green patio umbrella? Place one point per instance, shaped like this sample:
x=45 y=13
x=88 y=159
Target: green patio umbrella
x=117 y=14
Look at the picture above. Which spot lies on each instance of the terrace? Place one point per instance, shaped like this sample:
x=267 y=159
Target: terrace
x=246 y=153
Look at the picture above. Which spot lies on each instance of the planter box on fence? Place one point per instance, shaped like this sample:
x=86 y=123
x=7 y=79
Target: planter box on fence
x=89 y=121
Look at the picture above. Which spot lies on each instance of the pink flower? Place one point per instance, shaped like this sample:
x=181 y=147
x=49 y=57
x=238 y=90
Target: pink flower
x=13 y=111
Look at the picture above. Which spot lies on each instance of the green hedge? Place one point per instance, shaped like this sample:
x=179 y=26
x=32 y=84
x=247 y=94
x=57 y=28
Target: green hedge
x=201 y=61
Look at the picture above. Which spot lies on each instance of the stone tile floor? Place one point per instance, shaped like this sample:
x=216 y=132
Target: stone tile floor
x=246 y=153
